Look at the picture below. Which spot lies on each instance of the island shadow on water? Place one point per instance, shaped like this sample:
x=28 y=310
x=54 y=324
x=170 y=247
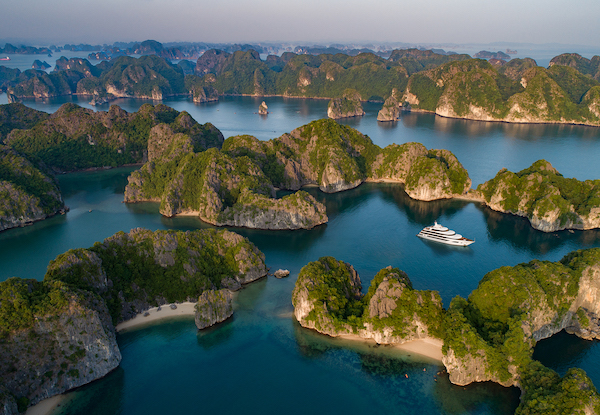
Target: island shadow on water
x=521 y=235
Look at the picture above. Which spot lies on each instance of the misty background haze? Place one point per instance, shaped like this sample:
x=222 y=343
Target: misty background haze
x=434 y=21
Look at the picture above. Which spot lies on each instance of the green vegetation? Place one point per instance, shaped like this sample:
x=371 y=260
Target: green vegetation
x=75 y=138
x=349 y=105
x=489 y=336
x=22 y=300
x=18 y=116
x=144 y=266
x=454 y=85
x=242 y=72
x=588 y=67
x=25 y=187
x=518 y=91
x=411 y=304
x=503 y=317
x=540 y=190
x=335 y=145
x=333 y=290
x=223 y=185
x=547 y=393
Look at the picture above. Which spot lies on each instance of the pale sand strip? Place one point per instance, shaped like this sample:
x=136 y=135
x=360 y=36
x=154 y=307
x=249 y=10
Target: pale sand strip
x=46 y=406
x=429 y=347
x=426 y=347
x=183 y=309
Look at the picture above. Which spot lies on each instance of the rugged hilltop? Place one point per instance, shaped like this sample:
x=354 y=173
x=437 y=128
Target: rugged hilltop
x=59 y=334
x=449 y=85
x=220 y=189
x=218 y=72
x=517 y=92
x=236 y=186
x=487 y=337
x=349 y=105
x=75 y=138
x=28 y=192
x=540 y=193
x=327 y=297
x=19 y=116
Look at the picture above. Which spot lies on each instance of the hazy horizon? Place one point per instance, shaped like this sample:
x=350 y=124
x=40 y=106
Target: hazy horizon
x=260 y=21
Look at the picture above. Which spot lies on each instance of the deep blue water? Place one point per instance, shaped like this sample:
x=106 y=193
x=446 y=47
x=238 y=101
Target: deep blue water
x=261 y=360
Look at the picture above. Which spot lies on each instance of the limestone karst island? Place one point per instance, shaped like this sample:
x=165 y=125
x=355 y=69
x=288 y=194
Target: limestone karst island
x=153 y=196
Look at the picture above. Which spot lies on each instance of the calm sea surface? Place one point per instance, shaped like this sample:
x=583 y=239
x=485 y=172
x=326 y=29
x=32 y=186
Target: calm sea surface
x=261 y=361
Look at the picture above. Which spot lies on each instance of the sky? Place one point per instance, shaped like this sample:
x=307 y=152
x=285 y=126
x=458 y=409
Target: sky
x=312 y=21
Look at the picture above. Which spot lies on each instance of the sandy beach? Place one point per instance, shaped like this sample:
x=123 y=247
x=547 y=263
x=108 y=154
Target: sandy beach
x=431 y=348
x=183 y=309
x=426 y=347
x=46 y=406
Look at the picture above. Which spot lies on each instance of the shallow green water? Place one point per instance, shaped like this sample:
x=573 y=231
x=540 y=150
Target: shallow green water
x=261 y=360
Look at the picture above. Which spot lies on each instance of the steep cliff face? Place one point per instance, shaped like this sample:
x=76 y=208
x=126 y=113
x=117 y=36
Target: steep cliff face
x=519 y=92
x=213 y=307
x=391 y=108
x=132 y=271
x=396 y=313
x=65 y=340
x=426 y=174
x=28 y=193
x=491 y=336
x=326 y=291
x=542 y=195
x=296 y=211
x=58 y=334
x=323 y=152
x=221 y=189
x=347 y=106
x=327 y=298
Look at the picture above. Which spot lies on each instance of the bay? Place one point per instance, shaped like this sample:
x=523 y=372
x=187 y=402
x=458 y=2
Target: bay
x=261 y=360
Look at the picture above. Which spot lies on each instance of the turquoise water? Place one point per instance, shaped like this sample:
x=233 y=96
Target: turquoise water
x=261 y=360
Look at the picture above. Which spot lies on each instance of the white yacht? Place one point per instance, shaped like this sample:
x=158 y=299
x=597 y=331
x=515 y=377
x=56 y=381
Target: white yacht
x=439 y=233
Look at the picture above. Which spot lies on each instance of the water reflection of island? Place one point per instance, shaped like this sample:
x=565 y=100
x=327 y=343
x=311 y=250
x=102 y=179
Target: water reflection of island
x=519 y=233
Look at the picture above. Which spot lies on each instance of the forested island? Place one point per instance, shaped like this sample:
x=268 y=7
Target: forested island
x=59 y=333
x=190 y=169
x=449 y=85
x=488 y=337
x=540 y=193
x=236 y=185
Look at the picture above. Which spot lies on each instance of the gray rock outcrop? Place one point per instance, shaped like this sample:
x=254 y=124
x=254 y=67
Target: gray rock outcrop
x=213 y=307
x=391 y=108
x=263 y=109
x=348 y=106
x=543 y=196
x=70 y=349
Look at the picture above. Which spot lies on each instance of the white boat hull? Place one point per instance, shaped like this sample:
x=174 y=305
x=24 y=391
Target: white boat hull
x=455 y=242
x=441 y=234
